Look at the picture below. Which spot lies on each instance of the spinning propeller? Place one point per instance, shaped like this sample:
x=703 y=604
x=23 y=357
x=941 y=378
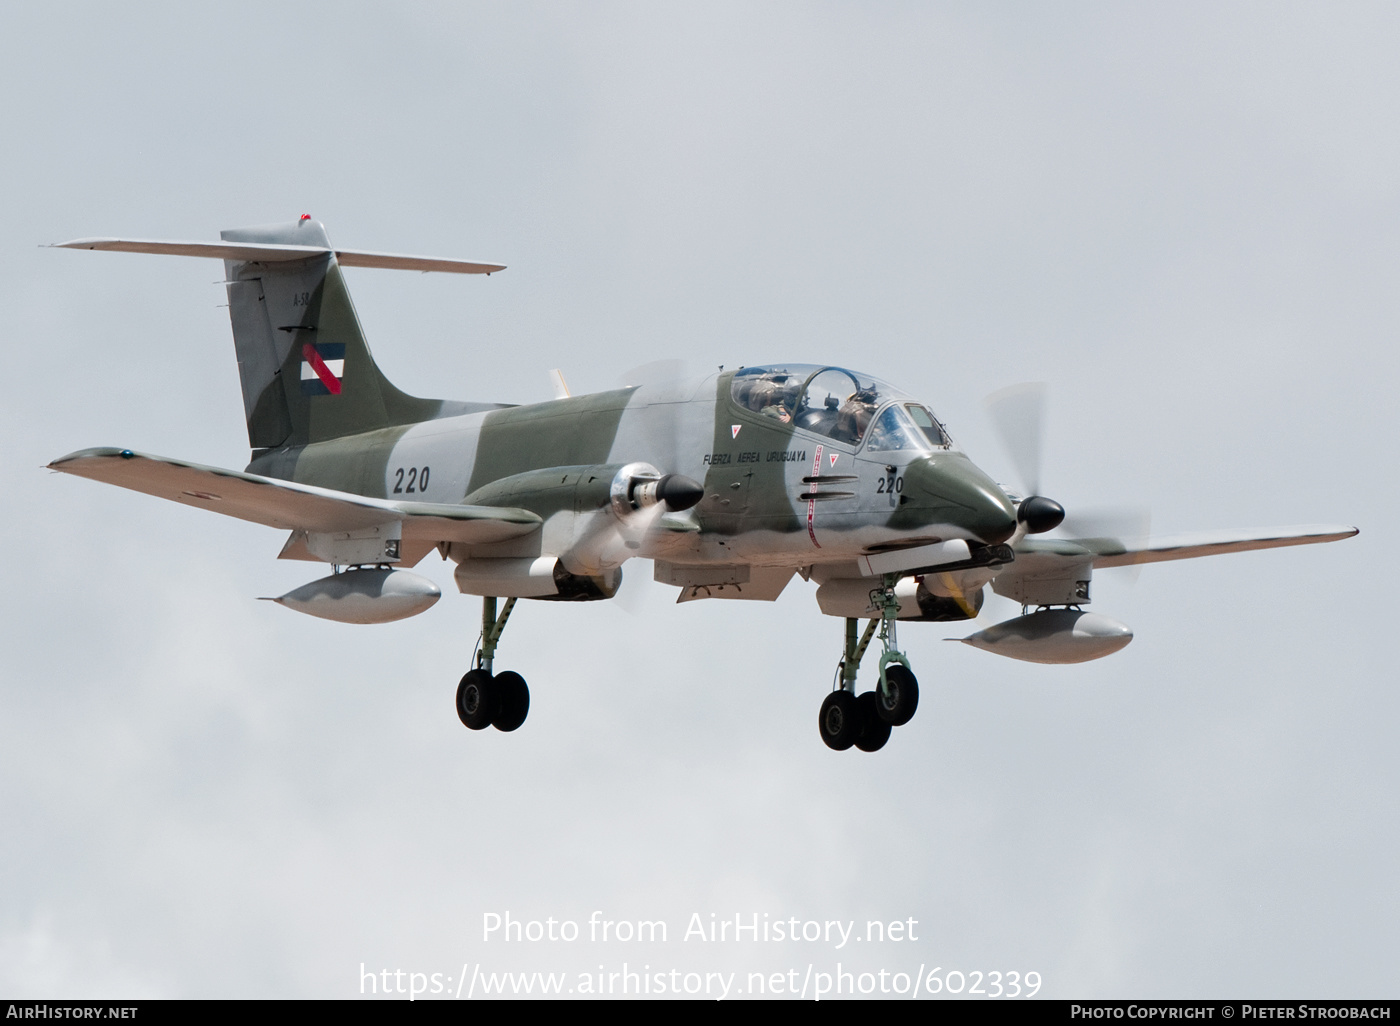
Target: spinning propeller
x=1018 y=415
x=641 y=493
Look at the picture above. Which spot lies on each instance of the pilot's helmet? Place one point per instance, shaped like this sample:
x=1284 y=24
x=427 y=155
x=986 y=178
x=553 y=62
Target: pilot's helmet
x=764 y=394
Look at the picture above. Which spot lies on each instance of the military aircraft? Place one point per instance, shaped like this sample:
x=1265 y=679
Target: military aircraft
x=732 y=484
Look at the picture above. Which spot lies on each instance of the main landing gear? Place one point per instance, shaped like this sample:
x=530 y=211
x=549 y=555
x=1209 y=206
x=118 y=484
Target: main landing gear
x=865 y=721
x=484 y=699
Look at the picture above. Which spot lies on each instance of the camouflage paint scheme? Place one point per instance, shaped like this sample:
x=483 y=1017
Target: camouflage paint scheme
x=371 y=439
x=500 y=487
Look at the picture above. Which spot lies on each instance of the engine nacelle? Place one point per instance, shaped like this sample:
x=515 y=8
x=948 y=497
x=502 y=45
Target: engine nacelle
x=1054 y=636
x=626 y=488
x=543 y=578
x=379 y=595
x=607 y=509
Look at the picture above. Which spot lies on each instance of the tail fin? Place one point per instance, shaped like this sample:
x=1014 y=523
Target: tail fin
x=306 y=369
x=307 y=372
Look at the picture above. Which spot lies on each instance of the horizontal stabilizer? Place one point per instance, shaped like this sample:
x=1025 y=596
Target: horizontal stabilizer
x=297 y=507
x=263 y=252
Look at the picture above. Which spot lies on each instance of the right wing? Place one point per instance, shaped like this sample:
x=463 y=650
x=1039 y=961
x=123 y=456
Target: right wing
x=297 y=507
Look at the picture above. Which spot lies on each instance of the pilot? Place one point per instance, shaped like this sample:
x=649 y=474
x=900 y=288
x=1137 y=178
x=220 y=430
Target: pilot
x=761 y=395
x=778 y=411
x=853 y=419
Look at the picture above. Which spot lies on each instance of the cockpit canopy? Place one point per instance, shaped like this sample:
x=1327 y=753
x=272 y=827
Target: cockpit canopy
x=840 y=404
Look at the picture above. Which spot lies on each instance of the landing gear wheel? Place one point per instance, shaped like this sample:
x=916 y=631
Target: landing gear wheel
x=512 y=701
x=840 y=720
x=476 y=700
x=874 y=731
x=897 y=702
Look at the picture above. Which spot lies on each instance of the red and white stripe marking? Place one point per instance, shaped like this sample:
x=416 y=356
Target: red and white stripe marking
x=328 y=371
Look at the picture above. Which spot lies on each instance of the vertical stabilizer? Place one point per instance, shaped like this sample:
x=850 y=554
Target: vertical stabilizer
x=306 y=370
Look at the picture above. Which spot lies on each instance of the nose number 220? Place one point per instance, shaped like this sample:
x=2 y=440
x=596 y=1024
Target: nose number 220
x=891 y=484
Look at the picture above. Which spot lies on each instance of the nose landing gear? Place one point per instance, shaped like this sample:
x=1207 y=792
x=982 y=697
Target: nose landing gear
x=865 y=721
x=485 y=699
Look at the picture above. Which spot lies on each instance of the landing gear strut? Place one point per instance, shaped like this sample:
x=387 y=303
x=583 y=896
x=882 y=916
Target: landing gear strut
x=485 y=699
x=865 y=721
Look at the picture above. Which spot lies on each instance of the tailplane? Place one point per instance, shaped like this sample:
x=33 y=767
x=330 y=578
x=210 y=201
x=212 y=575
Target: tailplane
x=306 y=369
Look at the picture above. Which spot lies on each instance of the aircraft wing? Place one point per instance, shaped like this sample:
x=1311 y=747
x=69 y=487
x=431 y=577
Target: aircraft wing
x=291 y=506
x=1110 y=552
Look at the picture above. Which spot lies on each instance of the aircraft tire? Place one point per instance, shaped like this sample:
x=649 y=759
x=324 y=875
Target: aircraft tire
x=898 y=707
x=476 y=700
x=512 y=701
x=874 y=730
x=840 y=720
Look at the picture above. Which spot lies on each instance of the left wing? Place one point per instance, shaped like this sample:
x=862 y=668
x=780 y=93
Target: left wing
x=1108 y=552
x=1056 y=571
x=298 y=507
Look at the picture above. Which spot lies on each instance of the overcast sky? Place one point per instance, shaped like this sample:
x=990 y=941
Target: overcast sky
x=1182 y=217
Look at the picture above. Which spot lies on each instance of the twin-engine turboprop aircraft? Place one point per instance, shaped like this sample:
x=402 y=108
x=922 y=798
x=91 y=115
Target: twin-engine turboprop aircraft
x=732 y=484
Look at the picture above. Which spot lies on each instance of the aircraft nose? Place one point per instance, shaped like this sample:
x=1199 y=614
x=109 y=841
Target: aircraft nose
x=964 y=495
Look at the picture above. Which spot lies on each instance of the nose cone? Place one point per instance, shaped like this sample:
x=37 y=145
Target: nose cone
x=951 y=489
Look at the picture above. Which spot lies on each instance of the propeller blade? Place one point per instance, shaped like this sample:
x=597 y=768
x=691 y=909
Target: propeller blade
x=967 y=603
x=624 y=535
x=1018 y=415
x=1128 y=524
x=665 y=382
x=1110 y=528
x=638 y=590
x=658 y=372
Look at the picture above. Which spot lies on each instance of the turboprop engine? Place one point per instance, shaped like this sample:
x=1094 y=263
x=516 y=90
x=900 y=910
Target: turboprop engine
x=638 y=496
x=377 y=595
x=1054 y=636
x=608 y=511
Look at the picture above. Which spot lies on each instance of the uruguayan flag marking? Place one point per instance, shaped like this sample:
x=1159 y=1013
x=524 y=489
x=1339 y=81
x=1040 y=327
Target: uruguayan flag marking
x=322 y=367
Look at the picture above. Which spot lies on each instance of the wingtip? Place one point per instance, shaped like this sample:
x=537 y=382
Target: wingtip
x=95 y=452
